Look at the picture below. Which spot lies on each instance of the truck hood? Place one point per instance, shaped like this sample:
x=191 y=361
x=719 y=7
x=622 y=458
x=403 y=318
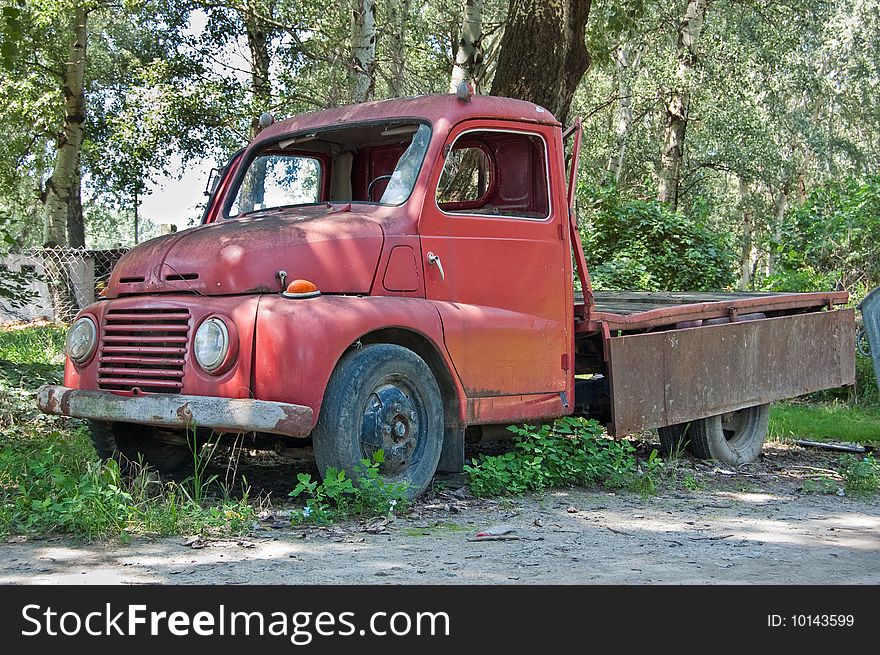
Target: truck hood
x=336 y=248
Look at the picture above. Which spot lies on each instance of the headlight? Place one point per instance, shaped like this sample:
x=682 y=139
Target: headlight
x=82 y=338
x=211 y=344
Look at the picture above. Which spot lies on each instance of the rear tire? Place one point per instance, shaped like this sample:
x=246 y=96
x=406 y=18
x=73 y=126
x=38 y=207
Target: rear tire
x=674 y=439
x=732 y=438
x=382 y=397
x=129 y=443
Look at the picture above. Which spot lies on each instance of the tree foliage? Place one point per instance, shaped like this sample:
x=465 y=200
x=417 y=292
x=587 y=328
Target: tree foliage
x=645 y=245
x=766 y=122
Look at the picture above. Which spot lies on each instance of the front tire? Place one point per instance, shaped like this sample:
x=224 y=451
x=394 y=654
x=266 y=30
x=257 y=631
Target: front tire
x=732 y=438
x=128 y=443
x=382 y=397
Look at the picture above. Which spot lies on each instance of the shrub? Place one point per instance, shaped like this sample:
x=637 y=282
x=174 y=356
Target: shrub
x=644 y=245
x=571 y=451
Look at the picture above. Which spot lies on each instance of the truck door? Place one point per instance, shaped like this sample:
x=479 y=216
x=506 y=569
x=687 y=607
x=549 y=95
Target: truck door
x=495 y=259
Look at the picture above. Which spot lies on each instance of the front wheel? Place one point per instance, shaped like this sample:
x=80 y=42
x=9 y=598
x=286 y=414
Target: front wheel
x=128 y=443
x=382 y=397
x=733 y=437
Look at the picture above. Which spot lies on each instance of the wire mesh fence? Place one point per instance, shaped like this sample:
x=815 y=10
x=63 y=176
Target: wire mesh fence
x=54 y=283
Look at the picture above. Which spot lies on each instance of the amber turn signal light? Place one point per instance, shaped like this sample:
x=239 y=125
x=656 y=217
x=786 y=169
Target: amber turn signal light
x=301 y=289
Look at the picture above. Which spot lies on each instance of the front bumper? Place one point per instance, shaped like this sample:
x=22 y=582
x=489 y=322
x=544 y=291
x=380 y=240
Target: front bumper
x=179 y=411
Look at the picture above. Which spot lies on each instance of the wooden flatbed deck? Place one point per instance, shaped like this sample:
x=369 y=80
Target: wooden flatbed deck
x=638 y=310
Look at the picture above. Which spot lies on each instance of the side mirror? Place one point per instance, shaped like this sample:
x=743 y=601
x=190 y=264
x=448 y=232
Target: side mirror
x=213 y=178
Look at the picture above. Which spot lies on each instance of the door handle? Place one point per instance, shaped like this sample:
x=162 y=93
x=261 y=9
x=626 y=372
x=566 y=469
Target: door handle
x=434 y=260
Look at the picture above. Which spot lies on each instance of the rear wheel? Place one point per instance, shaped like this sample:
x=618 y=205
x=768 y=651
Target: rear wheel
x=674 y=439
x=733 y=437
x=129 y=443
x=382 y=397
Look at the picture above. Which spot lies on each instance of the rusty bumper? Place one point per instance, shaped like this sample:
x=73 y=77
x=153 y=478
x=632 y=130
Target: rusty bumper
x=179 y=411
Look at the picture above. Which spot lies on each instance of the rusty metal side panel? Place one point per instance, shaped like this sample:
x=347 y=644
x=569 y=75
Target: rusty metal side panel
x=671 y=377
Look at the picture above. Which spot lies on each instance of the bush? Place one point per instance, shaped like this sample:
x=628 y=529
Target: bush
x=831 y=239
x=861 y=477
x=339 y=497
x=644 y=245
x=571 y=451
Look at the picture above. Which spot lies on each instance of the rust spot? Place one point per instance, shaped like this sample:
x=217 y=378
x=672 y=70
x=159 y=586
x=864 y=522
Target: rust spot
x=184 y=413
x=65 y=403
x=296 y=422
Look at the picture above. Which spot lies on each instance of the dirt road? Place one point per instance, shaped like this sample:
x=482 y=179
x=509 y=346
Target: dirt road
x=753 y=525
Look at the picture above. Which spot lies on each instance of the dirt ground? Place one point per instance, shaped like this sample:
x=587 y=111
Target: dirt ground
x=762 y=523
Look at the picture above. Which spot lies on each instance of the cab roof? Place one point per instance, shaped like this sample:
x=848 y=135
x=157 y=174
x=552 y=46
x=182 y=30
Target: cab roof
x=436 y=109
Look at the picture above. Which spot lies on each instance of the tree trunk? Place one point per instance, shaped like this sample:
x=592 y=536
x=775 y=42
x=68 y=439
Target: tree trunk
x=363 y=50
x=469 y=52
x=780 y=204
x=59 y=186
x=745 y=257
x=76 y=229
x=627 y=61
x=253 y=187
x=258 y=37
x=678 y=107
x=398 y=17
x=543 y=53
x=136 y=202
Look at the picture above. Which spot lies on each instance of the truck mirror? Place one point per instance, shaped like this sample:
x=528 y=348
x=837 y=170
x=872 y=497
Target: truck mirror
x=213 y=178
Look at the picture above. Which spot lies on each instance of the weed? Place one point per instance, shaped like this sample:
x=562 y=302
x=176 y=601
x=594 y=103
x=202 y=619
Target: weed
x=196 y=485
x=691 y=483
x=861 y=477
x=571 y=451
x=339 y=497
x=823 y=484
x=645 y=481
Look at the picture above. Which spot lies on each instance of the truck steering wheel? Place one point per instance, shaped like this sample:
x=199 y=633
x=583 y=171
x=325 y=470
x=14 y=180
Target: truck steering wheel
x=370 y=186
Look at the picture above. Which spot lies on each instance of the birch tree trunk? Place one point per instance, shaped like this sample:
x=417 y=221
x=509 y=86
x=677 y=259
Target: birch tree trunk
x=627 y=60
x=745 y=257
x=470 y=49
x=398 y=17
x=543 y=53
x=678 y=107
x=780 y=204
x=59 y=186
x=76 y=229
x=363 y=50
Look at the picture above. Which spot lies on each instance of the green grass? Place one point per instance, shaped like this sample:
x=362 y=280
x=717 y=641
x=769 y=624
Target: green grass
x=825 y=422
x=51 y=480
x=33 y=345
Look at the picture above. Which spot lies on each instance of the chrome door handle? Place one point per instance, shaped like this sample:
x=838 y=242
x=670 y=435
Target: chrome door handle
x=435 y=261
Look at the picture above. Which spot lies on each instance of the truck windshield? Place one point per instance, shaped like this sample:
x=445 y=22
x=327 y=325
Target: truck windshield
x=375 y=164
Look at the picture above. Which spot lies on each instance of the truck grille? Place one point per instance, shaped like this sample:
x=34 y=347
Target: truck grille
x=143 y=349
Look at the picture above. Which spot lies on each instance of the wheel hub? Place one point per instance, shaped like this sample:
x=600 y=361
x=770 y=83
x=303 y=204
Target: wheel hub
x=731 y=423
x=391 y=424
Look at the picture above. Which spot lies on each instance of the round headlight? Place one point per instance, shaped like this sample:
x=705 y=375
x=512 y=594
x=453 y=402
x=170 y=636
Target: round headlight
x=82 y=338
x=211 y=344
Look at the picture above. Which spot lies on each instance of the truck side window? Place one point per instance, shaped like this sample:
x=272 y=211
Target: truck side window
x=276 y=180
x=496 y=173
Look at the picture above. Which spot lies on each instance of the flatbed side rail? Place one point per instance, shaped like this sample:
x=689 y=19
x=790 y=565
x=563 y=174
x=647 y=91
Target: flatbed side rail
x=675 y=376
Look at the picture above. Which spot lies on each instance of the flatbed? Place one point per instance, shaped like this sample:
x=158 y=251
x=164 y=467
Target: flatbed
x=643 y=310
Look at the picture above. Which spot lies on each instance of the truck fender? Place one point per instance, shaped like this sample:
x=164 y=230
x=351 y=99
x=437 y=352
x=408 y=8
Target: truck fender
x=299 y=342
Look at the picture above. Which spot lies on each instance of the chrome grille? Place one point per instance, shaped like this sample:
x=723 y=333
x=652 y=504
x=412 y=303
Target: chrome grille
x=143 y=349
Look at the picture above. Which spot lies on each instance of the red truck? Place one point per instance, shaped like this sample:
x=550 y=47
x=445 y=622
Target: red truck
x=408 y=274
